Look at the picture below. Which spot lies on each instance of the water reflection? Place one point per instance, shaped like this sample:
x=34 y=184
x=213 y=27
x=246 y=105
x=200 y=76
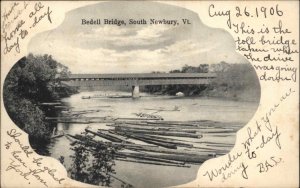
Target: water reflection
x=63 y=126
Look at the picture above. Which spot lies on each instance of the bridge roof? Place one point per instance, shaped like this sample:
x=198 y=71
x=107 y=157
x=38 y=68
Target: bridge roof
x=144 y=75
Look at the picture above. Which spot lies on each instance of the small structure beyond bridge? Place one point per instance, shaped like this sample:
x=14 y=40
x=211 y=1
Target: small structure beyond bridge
x=136 y=80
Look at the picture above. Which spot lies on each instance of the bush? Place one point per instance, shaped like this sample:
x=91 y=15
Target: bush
x=101 y=155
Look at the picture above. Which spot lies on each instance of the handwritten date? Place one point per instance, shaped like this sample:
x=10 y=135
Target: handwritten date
x=257 y=12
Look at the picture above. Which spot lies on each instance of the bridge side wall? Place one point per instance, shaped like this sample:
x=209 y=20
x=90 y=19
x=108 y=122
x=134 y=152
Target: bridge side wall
x=90 y=83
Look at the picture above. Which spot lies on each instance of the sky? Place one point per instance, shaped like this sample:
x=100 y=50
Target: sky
x=134 y=48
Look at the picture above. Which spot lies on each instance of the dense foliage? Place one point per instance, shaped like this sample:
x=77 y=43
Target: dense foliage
x=92 y=161
x=235 y=81
x=30 y=82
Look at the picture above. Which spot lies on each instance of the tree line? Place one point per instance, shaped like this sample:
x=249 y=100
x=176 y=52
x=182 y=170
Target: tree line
x=235 y=81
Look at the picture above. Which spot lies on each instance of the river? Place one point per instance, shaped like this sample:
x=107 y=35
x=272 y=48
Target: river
x=176 y=108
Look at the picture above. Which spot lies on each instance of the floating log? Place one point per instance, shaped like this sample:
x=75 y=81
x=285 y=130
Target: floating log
x=120 y=96
x=50 y=103
x=85 y=111
x=132 y=145
x=97 y=117
x=146 y=156
x=215 y=145
x=52 y=118
x=162 y=126
x=77 y=137
x=69 y=138
x=162 y=144
x=161 y=150
x=165 y=133
x=221 y=135
x=148 y=116
x=206 y=142
x=152 y=162
x=73 y=121
x=178 y=130
x=155 y=149
x=61 y=107
x=133 y=126
x=137 y=147
x=198 y=123
x=129 y=123
x=103 y=135
x=217 y=130
x=175 y=139
x=180 y=158
x=166 y=140
x=183 y=123
x=101 y=106
x=223 y=131
x=89 y=142
x=210 y=149
x=72 y=136
x=108 y=133
x=151 y=128
x=162 y=109
x=127 y=185
x=136 y=118
x=83 y=120
x=57 y=136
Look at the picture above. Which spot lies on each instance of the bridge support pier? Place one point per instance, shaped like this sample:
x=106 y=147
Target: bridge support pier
x=135 y=91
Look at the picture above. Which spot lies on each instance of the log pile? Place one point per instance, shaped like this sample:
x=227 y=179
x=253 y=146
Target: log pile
x=149 y=116
x=168 y=143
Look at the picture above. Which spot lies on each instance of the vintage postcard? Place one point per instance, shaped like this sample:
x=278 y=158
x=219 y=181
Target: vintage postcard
x=149 y=94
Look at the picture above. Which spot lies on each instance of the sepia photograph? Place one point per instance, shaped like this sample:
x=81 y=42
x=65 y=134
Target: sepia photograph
x=132 y=94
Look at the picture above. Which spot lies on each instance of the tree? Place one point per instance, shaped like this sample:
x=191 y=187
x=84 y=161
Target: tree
x=31 y=81
x=236 y=81
x=100 y=154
